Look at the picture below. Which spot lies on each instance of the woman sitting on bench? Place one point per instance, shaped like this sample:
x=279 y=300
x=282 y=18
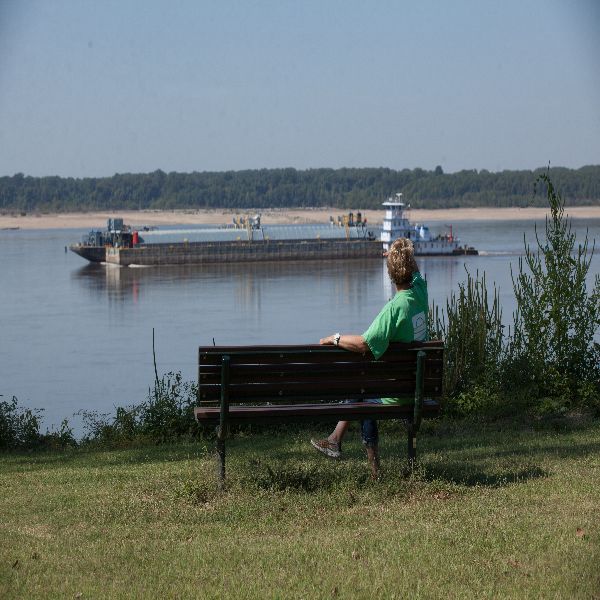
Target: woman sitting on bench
x=402 y=319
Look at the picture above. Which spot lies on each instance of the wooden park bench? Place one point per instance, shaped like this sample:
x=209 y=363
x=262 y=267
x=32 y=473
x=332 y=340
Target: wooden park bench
x=271 y=384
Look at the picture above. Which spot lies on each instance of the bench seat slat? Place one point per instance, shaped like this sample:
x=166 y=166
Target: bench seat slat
x=317 y=390
x=293 y=400
x=354 y=411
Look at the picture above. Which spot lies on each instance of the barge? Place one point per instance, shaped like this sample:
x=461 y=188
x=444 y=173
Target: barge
x=125 y=246
x=246 y=240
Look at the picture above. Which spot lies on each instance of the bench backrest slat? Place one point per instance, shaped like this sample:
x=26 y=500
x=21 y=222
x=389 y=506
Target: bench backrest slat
x=296 y=392
x=300 y=372
x=315 y=354
x=317 y=348
x=345 y=378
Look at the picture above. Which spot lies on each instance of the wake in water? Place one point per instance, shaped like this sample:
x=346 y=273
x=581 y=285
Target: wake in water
x=500 y=253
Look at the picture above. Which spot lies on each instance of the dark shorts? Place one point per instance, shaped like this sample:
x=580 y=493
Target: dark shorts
x=368 y=428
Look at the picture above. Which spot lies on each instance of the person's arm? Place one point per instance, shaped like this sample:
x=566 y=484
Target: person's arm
x=354 y=343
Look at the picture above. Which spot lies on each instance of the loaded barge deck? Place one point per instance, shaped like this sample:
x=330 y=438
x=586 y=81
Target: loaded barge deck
x=198 y=253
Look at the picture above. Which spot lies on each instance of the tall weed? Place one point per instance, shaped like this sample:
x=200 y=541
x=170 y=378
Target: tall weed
x=471 y=327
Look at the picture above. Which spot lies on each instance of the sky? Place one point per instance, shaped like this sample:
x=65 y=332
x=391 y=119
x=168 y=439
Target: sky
x=94 y=88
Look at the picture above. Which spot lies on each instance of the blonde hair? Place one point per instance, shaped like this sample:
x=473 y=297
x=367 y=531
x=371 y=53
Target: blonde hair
x=401 y=263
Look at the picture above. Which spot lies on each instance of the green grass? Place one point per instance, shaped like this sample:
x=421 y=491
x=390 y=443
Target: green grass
x=494 y=511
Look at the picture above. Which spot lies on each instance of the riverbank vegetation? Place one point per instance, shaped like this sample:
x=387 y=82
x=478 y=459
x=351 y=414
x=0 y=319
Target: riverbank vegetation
x=289 y=188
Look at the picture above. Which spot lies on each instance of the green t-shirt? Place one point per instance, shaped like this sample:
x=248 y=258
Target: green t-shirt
x=402 y=319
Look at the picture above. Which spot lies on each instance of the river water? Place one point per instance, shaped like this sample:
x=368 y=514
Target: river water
x=79 y=336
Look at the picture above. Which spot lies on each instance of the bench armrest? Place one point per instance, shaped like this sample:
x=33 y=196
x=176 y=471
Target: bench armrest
x=222 y=433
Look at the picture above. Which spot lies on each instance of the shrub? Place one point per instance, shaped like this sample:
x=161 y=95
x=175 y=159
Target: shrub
x=552 y=354
x=169 y=412
x=166 y=416
x=20 y=429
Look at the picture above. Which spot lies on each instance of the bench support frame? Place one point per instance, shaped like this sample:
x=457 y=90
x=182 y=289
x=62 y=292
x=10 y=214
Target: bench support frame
x=223 y=427
x=416 y=423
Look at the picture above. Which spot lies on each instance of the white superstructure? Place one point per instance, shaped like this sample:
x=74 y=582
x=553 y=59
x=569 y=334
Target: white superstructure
x=396 y=225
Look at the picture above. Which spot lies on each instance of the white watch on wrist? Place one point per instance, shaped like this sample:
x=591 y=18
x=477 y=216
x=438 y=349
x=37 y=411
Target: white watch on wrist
x=336 y=339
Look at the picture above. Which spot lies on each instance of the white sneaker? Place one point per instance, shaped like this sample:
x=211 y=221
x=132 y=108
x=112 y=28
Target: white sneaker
x=328 y=448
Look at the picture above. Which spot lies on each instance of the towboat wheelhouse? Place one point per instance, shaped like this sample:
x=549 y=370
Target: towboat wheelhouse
x=396 y=225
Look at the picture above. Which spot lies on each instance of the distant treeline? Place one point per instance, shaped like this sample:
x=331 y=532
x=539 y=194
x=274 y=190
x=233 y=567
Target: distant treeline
x=273 y=188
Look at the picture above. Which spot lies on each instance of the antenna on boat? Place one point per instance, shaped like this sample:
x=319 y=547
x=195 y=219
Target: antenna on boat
x=451 y=236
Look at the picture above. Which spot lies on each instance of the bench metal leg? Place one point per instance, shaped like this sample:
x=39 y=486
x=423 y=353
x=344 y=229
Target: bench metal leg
x=222 y=430
x=221 y=462
x=412 y=446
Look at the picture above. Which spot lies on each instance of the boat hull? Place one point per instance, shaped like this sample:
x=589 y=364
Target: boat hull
x=465 y=250
x=95 y=254
x=443 y=249
x=245 y=251
x=198 y=253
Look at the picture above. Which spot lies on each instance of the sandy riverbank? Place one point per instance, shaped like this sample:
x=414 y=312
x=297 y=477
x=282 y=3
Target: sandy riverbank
x=220 y=216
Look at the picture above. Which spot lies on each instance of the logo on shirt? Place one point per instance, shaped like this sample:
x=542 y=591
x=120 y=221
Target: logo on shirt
x=420 y=327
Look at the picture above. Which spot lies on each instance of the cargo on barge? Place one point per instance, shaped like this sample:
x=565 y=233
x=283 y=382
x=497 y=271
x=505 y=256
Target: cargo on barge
x=245 y=241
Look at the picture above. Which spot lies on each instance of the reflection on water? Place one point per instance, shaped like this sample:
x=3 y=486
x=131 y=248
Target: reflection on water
x=348 y=277
x=137 y=284
x=347 y=281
